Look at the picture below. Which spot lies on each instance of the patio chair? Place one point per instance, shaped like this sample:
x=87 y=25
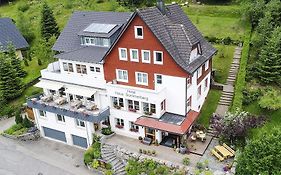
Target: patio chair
x=216 y=154
x=147 y=140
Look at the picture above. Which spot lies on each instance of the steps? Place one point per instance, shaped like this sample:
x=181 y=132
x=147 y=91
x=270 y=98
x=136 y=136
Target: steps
x=108 y=154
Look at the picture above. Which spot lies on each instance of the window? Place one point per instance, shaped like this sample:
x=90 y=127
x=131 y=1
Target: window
x=207 y=65
x=95 y=69
x=159 y=79
x=42 y=113
x=92 y=98
x=163 y=105
x=134 y=54
x=141 y=78
x=138 y=32
x=53 y=92
x=206 y=83
x=119 y=123
x=68 y=67
x=149 y=109
x=80 y=123
x=117 y=102
x=158 y=57
x=133 y=127
x=60 y=118
x=122 y=75
x=81 y=69
x=133 y=105
x=145 y=54
x=79 y=97
x=188 y=82
x=199 y=91
x=199 y=72
x=123 y=54
x=188 y=104
x=97 y=41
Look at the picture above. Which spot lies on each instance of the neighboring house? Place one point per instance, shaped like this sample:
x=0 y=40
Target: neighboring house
x=145 y=74
x=9 y=34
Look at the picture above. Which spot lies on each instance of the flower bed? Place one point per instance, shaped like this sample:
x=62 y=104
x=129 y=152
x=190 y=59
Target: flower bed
x=16 y=130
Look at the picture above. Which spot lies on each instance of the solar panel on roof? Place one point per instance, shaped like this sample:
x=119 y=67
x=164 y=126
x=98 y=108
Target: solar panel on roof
x=100 y=28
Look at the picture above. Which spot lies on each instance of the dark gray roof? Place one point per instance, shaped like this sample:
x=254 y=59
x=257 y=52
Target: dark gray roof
x=69 y=39
x=88 y=54
x=171 y=118
x=177 y=34
x=10 y=34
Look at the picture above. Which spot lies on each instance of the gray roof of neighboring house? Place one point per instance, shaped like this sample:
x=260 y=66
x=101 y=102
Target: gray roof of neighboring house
x=10 y=34
x=69 y=40
x=177 y=34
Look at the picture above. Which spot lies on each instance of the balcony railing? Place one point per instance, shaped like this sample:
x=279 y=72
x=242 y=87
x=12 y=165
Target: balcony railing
x=66 y=109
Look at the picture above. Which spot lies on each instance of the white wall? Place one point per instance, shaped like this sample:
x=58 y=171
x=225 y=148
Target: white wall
x=69 y=127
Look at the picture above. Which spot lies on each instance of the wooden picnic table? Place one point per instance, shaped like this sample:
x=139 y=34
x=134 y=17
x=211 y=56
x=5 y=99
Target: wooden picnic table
x=223 y=151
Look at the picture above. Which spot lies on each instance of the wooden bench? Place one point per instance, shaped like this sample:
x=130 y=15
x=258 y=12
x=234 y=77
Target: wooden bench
x=216 y=154
x=228 y=148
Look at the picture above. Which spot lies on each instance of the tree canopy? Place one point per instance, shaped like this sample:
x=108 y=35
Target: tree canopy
x=49 y=26
x=262 y=155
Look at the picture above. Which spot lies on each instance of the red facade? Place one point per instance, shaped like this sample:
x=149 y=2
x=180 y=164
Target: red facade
x=149 y=42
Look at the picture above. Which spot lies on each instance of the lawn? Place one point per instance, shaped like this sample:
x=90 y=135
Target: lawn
x=222 y=62
x=33 y=70
x=209 y=107
x=27 y=93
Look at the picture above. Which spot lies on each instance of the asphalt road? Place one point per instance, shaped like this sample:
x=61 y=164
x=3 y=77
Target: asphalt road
x=43 y=157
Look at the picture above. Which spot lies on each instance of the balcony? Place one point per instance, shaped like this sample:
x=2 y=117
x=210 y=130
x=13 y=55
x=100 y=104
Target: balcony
x=65 y=108
x=53 y=72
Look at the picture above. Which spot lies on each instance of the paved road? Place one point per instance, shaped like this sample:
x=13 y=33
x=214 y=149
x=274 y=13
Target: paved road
x=43 y=156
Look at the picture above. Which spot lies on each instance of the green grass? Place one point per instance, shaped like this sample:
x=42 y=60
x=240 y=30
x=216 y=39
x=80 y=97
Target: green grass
x=27 y=93
x=209 y=107
x=222 y=62
x=33 y=70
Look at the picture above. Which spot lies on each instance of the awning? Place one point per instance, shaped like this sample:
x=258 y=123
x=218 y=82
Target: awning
x=173 y=128
x=49 y=85
x=83 y=91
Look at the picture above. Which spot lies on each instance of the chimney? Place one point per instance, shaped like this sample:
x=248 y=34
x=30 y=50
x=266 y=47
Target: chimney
x=161 y=6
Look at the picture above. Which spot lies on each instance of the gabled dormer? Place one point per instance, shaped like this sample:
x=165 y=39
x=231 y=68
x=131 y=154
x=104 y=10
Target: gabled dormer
x=196 y=51
x=99 y=34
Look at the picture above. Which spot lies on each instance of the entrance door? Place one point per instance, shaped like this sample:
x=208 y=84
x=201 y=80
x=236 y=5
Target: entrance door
x=150 y=133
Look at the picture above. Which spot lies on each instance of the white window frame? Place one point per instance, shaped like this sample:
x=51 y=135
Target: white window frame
x=120 y=54
x=154 y=56
x=187 y=82
x=44 y=112
x=156 y=80
x=117 y=75
x=199 y=94
x=63 y=118
x=142 y=56
x=188 y=104
x=131 y=55
x=206 y=83
x=78 y=123
x=142 y=78
x=136 y=32
x=199 y=72
x=207 y=65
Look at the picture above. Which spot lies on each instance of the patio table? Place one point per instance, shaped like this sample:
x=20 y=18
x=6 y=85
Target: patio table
x=76 y=104
x=225 y=153
x=60 y=100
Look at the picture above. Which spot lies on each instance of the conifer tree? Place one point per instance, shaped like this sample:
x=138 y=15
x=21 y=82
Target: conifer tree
x=269 y=63
x=49 y=25
x=10 y=84
x=15 y=62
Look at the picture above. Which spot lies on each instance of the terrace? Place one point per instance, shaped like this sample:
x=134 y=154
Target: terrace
x=75 y=109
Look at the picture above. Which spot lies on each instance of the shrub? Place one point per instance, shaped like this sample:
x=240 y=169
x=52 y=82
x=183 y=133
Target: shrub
x=39 y=61
x=27 y=123
x=95 y=164
x=108 y=166
x=271 y=100
x=26 y=62
x=199 y=165
x=108 y=172
x=23 y=7
x=106 y=131
x=250 y=96
x=186 y=161
x=18 y=118
x=14 y=128
x=87 y=158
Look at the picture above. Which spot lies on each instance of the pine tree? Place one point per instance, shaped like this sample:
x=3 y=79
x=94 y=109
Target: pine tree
x=269 y=63
x=10 y=84
x=49 y=25
x=15 y=62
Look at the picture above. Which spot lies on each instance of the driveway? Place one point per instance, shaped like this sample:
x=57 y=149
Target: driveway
x=44 y=156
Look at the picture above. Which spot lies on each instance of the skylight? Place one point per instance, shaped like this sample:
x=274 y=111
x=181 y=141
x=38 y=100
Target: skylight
x=100 y=28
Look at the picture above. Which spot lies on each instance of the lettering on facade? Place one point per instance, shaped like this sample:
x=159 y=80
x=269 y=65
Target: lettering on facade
x=131 y=94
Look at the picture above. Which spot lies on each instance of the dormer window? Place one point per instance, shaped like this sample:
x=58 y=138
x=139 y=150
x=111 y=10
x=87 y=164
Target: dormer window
x=138 y=32
x=95 y=41
x=195 y=52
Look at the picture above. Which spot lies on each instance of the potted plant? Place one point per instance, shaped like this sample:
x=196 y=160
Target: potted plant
x=117 y=106
x=140 y=138
x=149 y=152
x=132 y=110
x=153 y=152
x=140 y=151
x=144 y=151
x=156 y=142
x=119 y=126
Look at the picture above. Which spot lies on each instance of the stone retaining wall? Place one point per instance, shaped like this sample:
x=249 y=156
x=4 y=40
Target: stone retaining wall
x=24 y=137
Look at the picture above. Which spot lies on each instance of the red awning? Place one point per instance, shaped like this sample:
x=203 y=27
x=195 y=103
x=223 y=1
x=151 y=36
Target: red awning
x=173 y=128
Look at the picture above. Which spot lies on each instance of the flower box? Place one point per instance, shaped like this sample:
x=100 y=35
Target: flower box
x=119 y=126
x=132 y=110
x=117 y=106
x=134 y=130
x=147 y=113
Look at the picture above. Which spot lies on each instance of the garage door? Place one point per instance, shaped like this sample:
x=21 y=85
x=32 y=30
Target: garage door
x=79 y=141
x=54 y=134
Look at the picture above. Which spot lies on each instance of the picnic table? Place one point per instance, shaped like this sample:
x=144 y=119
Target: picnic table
x=223 y=151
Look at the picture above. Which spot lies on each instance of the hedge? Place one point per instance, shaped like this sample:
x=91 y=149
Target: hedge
x=241 y=82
